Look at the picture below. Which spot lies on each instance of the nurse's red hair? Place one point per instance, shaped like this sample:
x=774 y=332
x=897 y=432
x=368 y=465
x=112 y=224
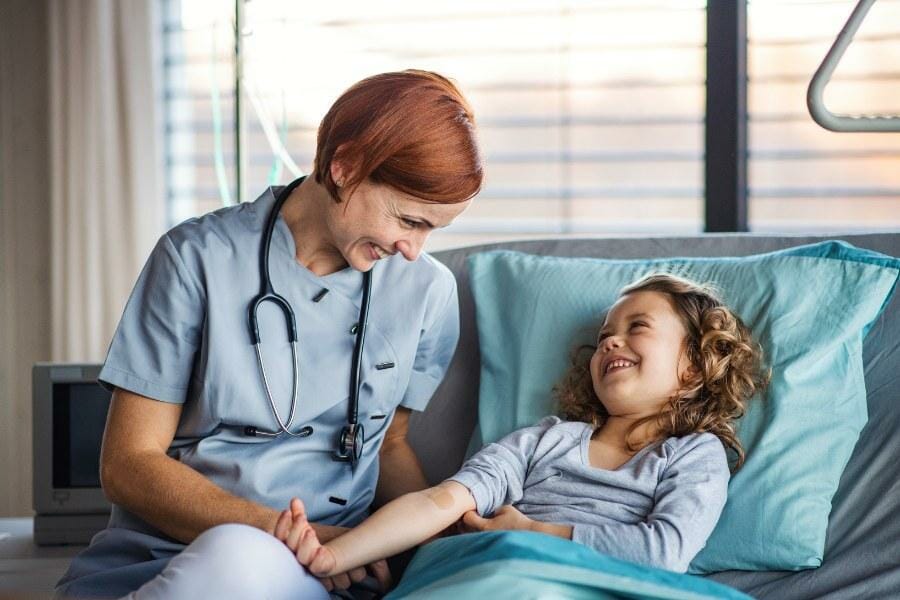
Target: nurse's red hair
x=412 y=130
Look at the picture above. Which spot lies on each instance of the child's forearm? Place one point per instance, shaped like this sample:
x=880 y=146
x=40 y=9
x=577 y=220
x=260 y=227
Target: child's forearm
x=400 y=525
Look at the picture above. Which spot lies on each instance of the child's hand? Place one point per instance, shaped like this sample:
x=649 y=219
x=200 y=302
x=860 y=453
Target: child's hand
x=294 y=529
x=506 y=517
x=297 y=533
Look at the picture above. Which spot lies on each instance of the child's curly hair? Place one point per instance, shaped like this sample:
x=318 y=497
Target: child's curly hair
x=726 y=359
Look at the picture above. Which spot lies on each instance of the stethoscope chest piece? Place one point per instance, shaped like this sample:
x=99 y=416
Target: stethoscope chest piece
x=350 y=444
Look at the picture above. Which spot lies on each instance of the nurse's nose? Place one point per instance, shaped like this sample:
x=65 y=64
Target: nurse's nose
x=411 y=246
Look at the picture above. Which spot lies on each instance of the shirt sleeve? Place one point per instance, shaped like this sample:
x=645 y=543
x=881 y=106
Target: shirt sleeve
x=437 y=343
x=152 y=351
x=495 y=475
x=688 y=502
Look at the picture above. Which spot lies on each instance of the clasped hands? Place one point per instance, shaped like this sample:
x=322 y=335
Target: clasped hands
x=311 y=549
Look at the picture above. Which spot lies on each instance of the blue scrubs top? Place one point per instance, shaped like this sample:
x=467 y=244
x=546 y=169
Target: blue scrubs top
x=184 y=338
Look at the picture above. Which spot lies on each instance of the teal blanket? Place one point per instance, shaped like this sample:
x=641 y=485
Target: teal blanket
x=522 y=564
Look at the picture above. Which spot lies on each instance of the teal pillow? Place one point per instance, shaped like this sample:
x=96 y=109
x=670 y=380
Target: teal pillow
x=809 y=307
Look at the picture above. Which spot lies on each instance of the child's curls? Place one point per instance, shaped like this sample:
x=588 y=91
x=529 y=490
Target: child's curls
x=727 y=370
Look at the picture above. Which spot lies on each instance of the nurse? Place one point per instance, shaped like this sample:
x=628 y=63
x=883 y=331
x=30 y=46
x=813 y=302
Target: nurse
x=190 y=460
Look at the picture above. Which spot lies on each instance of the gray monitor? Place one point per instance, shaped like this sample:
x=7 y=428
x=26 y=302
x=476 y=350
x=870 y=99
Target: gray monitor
x=69 y=410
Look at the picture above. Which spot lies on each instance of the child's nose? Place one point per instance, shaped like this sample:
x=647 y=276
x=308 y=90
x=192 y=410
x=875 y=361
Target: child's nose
x=611 y=342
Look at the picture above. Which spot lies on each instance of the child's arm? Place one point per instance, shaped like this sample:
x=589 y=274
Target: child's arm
x=397 y=526
x=496 y=475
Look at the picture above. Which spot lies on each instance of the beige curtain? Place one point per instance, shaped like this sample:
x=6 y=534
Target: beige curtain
x=106 y=183
x=81 y=198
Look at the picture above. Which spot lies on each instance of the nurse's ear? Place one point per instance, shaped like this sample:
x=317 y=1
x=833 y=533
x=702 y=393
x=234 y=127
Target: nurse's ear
x=341 y=167
x=338 y=172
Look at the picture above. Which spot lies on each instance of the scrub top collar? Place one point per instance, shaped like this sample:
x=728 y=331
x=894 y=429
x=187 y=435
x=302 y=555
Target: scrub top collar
x=346 y=281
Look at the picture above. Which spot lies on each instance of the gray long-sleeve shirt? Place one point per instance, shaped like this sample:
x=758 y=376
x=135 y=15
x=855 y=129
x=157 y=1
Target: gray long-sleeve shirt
x=657 y=509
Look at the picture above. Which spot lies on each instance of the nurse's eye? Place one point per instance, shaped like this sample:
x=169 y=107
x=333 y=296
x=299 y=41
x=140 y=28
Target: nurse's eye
x=410 y=223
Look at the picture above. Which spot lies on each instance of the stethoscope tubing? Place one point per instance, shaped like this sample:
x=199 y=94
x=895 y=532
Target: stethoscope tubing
x=283 y=426
x=353 y=409
x=352 y=436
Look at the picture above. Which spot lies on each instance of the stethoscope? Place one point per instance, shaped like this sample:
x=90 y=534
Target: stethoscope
x=350 y=442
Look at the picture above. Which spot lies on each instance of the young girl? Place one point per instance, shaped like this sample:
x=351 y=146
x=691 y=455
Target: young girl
x=638 y=470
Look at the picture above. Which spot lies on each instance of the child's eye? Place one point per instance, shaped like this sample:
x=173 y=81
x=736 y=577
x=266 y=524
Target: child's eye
x=638 y=324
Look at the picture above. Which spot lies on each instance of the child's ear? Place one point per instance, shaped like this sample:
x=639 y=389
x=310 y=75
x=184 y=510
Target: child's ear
x=689 y=375
x=687 y=369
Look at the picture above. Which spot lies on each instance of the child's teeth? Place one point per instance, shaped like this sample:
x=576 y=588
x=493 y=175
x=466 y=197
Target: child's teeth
x=618 y=363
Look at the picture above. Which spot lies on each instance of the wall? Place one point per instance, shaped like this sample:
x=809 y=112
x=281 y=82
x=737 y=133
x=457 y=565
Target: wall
x=24 y=237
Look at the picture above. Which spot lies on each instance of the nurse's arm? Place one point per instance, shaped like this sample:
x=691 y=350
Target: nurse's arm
x=137 y=474
x=399 y=469
x=397 y=526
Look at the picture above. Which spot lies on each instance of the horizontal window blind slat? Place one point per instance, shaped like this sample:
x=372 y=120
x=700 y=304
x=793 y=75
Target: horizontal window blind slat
x=889 y=194
x=827 y=40
x=504 y=123
x=532 y=193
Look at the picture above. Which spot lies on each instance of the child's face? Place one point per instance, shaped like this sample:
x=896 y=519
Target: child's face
x=640 y=356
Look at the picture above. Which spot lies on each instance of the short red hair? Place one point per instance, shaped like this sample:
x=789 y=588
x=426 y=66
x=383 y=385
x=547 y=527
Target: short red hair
x=411 y=130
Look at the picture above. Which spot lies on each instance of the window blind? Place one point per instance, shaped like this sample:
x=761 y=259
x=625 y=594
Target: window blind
x=590 y=113
x=803 y=177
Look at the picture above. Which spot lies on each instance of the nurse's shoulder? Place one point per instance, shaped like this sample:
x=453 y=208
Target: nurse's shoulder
x=219 y=229
x=225 y=234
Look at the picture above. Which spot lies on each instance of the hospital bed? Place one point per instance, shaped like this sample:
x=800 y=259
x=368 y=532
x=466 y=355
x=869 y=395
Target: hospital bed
x=862 y=553
x=862 y=545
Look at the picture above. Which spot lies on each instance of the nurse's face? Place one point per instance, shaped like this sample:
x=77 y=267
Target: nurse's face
x=377 y=221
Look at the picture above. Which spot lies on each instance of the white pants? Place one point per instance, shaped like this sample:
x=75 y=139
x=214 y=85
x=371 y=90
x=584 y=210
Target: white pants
x=232 y=561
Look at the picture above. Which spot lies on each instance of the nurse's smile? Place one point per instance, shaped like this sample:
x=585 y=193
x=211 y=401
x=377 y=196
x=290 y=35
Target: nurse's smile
x=377 y=252
x=372 y=221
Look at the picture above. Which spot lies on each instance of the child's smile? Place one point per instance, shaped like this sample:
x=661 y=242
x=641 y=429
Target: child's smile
x=640 y=355
x=613 y=364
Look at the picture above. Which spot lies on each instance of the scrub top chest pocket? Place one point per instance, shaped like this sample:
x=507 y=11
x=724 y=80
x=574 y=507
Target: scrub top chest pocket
x=379 y=394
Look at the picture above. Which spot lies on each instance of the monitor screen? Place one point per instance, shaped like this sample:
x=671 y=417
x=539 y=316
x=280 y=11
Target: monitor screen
x=79 y=416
